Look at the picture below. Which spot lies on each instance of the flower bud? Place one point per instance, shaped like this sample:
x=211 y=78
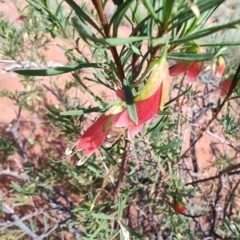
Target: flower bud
x=220 y=67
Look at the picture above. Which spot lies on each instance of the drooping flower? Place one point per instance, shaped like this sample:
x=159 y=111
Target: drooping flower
x=180 y=208
x=94 y=136
x=179 y=204
x=192 y=70
x=225 y=86
x=148 y=102
x=97 y=133
x=220 y=67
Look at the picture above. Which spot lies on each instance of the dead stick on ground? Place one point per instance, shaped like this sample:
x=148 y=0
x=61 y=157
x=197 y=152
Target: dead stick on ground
x=13 y=129
x=18 y=222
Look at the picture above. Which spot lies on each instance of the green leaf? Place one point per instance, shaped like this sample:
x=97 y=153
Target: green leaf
x=150 y=9
x=187 y=13
x=101 y=227
x=132 y=232
x=118 y=16
x=206 y=32
x=56 y=71
x=138 y=16
x=17 y=187
x=83 y=16
x=177 y=97
x=81 y=111
x=113 y=41
x=191 y=56
x=171 y=145
x=53 y=18
x=167 y=11
x=222 y=44
x=131 y=108
x=134 y=49
x=160 y=41
x=102 y=216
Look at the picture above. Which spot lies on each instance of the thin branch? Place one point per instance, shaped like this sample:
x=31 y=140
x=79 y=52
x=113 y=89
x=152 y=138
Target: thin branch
x=227 y=171
x=13 y=129
x=14 y=174
x=29 y=216
x=232 y=87
x=18 y=222
x=121 y=171
x=48 y=232
x=214 y=207
x=230 y=197
x=103 y=19
x=236 y=148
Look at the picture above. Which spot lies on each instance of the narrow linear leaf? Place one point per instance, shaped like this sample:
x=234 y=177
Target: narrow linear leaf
x=82 y=15
x=167 y=10
x=131 y=108
x=150 y=9
x=220 y=44
x=191 y=56
x=113 y=41
x=160 y=41
x=81 y=111
x=203 y=5
x=138 y=16
x=118 y=16
x=102 y=216
x=177 y=97
x=122 y=41
x=56 y=71
x=206 y=32
x=132 y=232
x=171 y=145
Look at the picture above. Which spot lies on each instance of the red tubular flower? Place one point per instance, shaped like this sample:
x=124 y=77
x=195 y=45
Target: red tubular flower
x=225 y=86
x=220 y=67
x=148 y=102
x=146 y=109
x=192 y=70
x=92 y=139
x=180 y=208
x=21 y=18
x=179 y=205
x=94 y=136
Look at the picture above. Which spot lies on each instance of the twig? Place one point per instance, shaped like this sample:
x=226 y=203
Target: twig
x=227 y=171
x=232 y=87
x=214 y=206
x=237 y=148
x=49 y=231
x=18 y=222
x=108 y=172
x=29 y=216
x=14 y=174
x=230 y=197
x=121 y=171
x=104 y=22
x=13 y=129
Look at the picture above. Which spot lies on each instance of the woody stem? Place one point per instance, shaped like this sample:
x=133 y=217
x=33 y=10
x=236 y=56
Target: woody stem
x=121 y=171
x=102 y=16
